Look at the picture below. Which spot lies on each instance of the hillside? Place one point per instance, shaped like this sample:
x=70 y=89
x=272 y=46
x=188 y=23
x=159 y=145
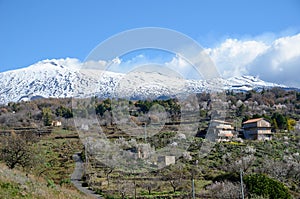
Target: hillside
x=15 y=184
x=217 y=172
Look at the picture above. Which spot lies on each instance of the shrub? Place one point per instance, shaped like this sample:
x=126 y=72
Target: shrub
x=232 y=177
x=50 y=183
x=262 y=185
x=65 y=181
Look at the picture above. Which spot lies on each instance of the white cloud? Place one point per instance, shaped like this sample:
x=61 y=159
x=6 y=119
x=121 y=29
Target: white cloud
x=233 y=55
x=278 y=61
x=182 y=67
x=99 y=65
x=177 y=62
x=116 y=60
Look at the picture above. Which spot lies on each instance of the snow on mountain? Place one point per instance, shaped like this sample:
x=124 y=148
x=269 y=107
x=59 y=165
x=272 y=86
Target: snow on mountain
x=60 y=78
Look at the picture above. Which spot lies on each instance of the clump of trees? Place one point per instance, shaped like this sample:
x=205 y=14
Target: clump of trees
x=63 y=111
x=256 y=186
x=281 y=107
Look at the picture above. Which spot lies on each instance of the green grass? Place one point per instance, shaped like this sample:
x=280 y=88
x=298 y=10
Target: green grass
x=10 y=190
x=56 y=156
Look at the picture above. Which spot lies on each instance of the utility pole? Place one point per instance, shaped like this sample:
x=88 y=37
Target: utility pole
x=242 y=186
x=134 y=182
x=193 y=185
x=86 y=156
x=145 y=132
x=193 y=180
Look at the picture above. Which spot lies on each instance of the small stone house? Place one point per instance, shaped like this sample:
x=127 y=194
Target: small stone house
x=257 y=129
x=166 y=160
x=56 y=123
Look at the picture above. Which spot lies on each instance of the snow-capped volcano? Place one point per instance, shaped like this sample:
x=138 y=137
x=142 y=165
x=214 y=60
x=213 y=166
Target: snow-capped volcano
x=65 y=78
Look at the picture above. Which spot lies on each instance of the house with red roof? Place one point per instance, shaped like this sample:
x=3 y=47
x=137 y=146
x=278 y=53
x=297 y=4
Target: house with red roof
x=257 y=129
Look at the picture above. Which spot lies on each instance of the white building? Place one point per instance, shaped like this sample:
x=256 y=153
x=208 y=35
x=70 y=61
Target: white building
x=166 y=160
x=222 y=129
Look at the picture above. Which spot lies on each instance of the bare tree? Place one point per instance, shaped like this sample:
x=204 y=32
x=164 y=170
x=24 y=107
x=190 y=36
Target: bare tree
x=285 y=170
x=125 y=188
x=16 y=150
x=149 y=185
x=107 y=171
x=224 y=190
x=244 y=161
x=175 y=175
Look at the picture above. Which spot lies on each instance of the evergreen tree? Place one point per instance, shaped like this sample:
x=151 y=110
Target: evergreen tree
x=281 y=120
x=47 y=116
x=275 y=124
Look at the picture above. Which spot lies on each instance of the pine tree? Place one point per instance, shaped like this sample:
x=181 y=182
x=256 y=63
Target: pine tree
x=47 y=116
x=275 y=124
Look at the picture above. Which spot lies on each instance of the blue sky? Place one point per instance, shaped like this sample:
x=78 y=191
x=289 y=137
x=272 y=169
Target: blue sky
x=35 y=30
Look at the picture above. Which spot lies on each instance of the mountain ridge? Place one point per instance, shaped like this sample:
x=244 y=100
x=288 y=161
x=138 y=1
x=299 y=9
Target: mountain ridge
x=61 y=78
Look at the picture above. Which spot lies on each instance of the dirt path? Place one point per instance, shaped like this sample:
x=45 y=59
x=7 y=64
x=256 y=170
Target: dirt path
x=76 y=177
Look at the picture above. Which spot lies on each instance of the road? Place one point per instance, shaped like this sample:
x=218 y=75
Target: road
x=77 y=175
